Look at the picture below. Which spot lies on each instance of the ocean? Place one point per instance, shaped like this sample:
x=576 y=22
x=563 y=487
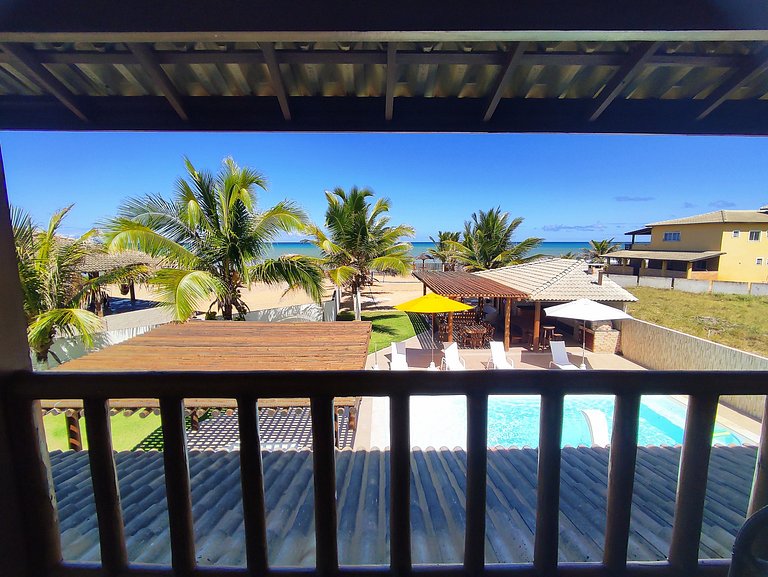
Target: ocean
x=546 y=248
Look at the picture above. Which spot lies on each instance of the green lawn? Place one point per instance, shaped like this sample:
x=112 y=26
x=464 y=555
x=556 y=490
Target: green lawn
x=127 y=432
x=737 y=321
x=388 y=326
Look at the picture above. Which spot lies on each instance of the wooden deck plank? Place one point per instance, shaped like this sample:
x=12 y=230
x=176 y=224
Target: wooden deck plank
x=216 y=346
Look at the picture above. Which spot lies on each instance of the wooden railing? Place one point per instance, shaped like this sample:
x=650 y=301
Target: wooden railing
x=39 y=503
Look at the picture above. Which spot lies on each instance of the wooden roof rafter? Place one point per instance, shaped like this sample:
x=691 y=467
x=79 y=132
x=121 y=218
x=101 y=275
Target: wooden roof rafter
x=594 y=47
x=459 y=284
x=146 y=59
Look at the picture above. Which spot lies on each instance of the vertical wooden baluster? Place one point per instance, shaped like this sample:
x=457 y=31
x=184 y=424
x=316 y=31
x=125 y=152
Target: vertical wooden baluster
x=252 y=480
x=477 y=470
x=106 y=493
x=621 y=479
x=759 y=497
x=324 y=462
x=548 y=484
x=38 y=494
x=177 y=486
x=400 y=485
x=692 y=483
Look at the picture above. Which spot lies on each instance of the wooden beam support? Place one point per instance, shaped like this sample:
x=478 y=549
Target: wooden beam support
x=536 y=325
x=74 y=436
x=24 y=61
x=336 y=20
x=391 y=81
x=146 y=58
x=507 y=313
x=446 y=57
x=513 y=59
x=270 y=57
x=744 y=74
x=514 y=56
x=637 y=59
x=450 y=327
x=759 y=497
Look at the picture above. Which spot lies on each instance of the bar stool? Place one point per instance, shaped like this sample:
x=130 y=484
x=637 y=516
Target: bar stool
x=547 y=331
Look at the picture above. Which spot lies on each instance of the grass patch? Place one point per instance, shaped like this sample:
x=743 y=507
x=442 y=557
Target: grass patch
x=733 y=320
x=388 y=326
x=127 y=432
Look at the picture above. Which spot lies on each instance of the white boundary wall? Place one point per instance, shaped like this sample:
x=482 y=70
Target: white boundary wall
x=68 y=348
x=758 y=289
x=659 y=348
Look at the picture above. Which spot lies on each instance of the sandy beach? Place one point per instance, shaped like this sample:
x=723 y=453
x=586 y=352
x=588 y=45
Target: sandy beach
x=386 y=292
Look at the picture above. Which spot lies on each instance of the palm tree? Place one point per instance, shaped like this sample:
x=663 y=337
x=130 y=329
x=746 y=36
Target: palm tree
x=599 y=249
x=487 y=242
x=213 y=240
x=359 y=239
x=443 y=251
x=53 y=285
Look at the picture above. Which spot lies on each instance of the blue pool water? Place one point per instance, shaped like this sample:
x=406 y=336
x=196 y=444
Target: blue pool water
x=514 y=421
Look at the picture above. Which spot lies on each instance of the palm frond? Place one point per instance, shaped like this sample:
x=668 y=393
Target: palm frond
x=298 y=271
x=65 y=321
x=181 y=291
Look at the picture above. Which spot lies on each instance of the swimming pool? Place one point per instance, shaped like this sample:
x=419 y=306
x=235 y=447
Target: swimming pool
x=513 y=421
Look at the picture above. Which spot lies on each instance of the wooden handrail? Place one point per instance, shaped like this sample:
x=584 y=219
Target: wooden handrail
x=27 y=389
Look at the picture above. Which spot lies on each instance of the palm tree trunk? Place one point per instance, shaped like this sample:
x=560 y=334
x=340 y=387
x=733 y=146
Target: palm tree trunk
x=356 y=303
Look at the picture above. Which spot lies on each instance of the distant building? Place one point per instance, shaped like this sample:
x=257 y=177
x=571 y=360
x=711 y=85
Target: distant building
x=727 y=245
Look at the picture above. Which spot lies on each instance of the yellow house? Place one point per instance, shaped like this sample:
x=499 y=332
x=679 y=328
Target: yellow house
x=729 y=245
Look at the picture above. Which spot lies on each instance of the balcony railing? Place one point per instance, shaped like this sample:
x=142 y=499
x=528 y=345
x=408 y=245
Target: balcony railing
x=95 y=389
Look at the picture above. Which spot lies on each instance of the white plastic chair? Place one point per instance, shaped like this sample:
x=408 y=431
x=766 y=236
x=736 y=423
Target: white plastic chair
x=451 y=359
x=560 y=357
x=398 y=362
x=499 y=357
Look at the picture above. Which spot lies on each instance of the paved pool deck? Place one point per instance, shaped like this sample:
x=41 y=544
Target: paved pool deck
x=373 y=427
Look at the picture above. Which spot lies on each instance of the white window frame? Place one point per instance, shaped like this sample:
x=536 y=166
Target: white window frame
x=736 y=233
x=759 y=235
x=759 y=261
x=671 y=236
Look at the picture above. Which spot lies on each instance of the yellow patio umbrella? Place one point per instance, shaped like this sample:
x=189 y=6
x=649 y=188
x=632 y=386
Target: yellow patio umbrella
x=431 y=304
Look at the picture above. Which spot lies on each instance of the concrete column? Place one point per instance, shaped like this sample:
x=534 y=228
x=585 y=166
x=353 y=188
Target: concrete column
x=15 y=357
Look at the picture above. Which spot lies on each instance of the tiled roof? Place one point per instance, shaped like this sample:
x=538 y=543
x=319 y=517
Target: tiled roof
x=437 y=507
x=558 y=279
x=679 y=255
x=718 y=216
x=104 y=261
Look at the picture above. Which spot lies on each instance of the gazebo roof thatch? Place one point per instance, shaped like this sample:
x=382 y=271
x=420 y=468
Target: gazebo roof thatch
x=102 y=261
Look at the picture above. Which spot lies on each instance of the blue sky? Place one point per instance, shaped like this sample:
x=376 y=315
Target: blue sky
x=567 y=187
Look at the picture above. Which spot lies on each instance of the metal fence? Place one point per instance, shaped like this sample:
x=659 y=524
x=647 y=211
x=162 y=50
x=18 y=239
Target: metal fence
x=42 y=531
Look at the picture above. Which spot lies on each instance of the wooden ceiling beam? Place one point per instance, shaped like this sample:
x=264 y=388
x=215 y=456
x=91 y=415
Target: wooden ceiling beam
x=514 y=56
x=417 y=114
x=634 y=64
x=24 y=61
x=754 y=67
x=392 y=21
x=389 y=105
x=373 y=57
x=146 y=59
x=270 y=57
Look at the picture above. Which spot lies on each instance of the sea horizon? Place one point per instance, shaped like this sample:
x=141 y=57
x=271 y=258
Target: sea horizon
x=546 y=248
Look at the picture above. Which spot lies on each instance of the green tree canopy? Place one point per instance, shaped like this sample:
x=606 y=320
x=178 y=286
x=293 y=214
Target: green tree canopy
x=599 y=249
x=214 y=240
x=487 y=242
x=444 y=251
x=360 y=239
x=53 y=284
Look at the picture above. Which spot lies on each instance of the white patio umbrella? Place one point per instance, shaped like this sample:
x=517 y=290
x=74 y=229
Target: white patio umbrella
x=585 y=310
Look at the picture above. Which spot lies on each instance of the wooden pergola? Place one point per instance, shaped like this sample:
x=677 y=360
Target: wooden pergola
x=458 y=285
x=222 y=346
